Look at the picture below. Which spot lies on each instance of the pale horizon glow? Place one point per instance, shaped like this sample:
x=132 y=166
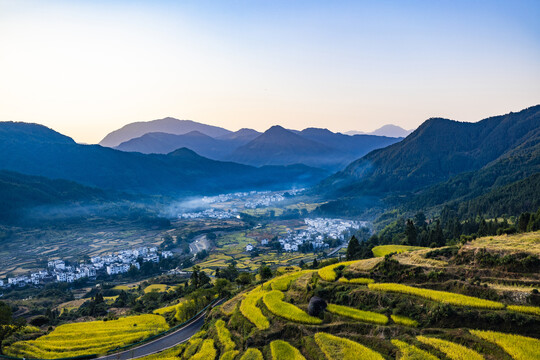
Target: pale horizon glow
x=86 y=68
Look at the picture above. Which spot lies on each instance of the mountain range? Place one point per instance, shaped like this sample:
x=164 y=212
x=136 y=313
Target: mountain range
x=464 y=166
x=36 y=150
x=277 y=146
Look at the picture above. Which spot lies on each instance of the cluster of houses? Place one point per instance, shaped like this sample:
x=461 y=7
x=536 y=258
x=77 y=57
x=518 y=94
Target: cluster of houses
x=118 y=263
x=264 y=200
x=210 y=213
x=316 y=232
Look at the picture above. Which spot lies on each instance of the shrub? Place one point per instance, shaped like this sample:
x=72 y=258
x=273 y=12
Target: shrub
x=519 y=347
x=252 y=354
x=248 y=308
x=411 y=352
x=282 y=350
x=356 y=314
x=224 y=336
x=451 y=350
x=336 y=348
x=274 y=302
x=439 y=296
x=403 y=320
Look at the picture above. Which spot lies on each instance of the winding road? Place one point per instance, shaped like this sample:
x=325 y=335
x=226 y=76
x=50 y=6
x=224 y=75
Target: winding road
x=163 y=343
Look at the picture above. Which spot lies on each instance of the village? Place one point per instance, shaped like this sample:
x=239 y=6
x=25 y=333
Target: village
x=314 y=236
x=113 y=264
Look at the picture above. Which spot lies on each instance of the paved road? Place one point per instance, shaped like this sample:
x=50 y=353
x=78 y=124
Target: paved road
x=177 y=337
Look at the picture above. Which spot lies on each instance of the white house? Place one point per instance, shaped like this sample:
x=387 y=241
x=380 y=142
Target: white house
x=249 y=247
x=264 y=242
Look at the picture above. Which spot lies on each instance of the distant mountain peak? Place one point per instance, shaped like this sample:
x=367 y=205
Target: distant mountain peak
x=167 y=125
x=389 y=130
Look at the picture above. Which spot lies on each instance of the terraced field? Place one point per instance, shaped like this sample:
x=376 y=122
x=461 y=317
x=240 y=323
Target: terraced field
x=87 y=338
x=375 y=309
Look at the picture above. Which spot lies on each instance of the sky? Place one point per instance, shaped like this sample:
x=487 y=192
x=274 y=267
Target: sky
x=85 y=68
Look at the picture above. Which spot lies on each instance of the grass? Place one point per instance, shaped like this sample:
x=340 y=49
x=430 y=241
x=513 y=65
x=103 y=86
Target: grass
x=95 y=337
x=282 y=350
x=230 y=305
x=337 y=348
x=533 y=310
x=165 y=309
x=360 y=315
x=519 y=347
x=274 y=302
x=439 y=296
x=365 y=265
x=411 y=352
x=363 y=281
x=403 y=320
x=206 y=352
x=224 y=336
x=525 y=242
x=248 y=308
x=156 y=287
x=328 y=273
x=452 y=350
x=383 y=250
x=252 y=354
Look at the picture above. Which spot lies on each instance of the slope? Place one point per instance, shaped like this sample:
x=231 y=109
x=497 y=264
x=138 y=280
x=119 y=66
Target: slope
x=438 y=150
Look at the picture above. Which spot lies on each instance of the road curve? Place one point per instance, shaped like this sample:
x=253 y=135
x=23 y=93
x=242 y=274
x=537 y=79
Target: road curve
x=163 y=343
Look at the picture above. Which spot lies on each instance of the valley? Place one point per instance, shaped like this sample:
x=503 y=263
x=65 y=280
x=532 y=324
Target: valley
x=404 y=253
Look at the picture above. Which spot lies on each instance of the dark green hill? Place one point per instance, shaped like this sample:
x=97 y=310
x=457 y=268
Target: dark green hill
x=438 y=150
x=19 y=192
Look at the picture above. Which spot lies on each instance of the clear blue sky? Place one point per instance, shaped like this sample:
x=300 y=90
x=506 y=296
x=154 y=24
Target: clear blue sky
x=85 y=68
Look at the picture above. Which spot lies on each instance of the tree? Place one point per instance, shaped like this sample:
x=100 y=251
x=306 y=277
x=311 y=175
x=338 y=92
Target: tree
x=194 y=279
x=420 y=219
x=244 y=278
x=265 y=272
x=315 y=264
x=222 y=287
x=353 y=249
x=8 y=325
x=523 y=221
x=411 y=233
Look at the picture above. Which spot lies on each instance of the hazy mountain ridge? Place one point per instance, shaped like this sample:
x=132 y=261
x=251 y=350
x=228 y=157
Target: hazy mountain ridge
x=53 y=155
x=277 y=146
x=204 y=145
x=167 y=125
x=312 y=146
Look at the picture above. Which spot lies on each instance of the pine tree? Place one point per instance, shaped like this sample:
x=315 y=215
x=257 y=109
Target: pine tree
x=353 y=249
